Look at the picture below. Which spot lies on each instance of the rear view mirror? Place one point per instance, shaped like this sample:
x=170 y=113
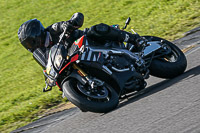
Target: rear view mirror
x=126 y=23
x=128 y=20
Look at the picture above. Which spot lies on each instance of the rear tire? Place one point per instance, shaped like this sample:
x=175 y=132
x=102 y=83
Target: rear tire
x=86 y=104
x=164 y=68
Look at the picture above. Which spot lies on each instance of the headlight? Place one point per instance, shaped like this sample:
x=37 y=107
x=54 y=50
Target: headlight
x=55 y=60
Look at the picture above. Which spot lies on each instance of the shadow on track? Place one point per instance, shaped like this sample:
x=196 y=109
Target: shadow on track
x=162 y=85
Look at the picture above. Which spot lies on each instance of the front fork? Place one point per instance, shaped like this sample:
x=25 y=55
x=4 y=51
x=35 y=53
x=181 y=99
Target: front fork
x=92 y=82
x=82 y=73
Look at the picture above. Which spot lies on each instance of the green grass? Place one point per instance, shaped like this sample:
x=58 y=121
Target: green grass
x=21 y=78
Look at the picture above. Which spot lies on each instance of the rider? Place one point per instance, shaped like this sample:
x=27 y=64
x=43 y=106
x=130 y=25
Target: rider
x=38 y=40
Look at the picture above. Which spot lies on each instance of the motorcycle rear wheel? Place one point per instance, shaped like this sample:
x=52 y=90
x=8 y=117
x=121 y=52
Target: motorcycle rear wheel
x=85 y=103
x=168 y=66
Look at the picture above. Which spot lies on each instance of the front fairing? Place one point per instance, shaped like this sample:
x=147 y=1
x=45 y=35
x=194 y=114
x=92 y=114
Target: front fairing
x=57 y=56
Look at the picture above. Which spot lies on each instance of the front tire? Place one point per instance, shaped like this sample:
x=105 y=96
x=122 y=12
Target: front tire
x=168 y=66
x=85 y=103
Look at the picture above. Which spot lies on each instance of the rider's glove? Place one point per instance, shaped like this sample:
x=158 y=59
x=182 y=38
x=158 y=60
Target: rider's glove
x=68 y=27
x=77 y=20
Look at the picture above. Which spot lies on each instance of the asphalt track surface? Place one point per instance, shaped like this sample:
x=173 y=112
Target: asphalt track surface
x=167 y=106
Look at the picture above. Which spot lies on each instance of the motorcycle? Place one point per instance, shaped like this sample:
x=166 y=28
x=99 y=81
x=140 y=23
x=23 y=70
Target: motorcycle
x=94 y=77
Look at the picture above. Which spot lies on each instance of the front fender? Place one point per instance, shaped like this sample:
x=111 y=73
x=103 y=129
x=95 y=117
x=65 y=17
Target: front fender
x=75 y=75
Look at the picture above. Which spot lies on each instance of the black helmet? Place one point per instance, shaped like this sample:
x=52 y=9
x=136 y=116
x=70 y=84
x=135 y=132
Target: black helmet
x=31 y=34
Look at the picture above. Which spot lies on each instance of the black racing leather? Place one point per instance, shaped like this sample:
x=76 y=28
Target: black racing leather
x=102 y=32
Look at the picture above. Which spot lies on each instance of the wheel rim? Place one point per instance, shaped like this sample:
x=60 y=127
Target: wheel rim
x=173 y=57
x=99 y=93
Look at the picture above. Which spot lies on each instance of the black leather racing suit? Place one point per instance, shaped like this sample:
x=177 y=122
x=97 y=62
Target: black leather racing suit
x=56 y=30
x=100 y=32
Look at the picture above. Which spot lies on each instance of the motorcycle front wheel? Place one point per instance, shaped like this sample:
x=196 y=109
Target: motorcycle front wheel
x=102 y=100
x=170 y=65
